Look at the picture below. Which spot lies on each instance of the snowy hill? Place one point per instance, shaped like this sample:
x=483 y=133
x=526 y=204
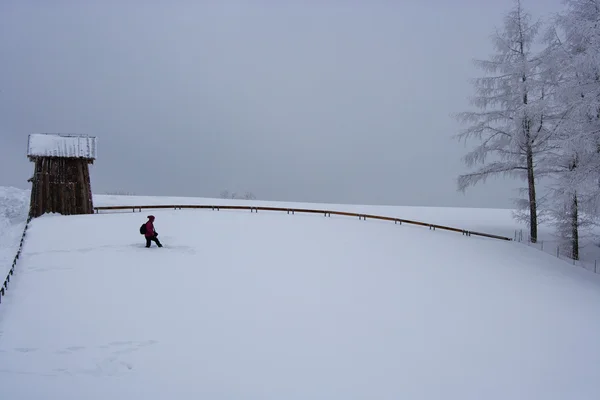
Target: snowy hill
x=273 y=306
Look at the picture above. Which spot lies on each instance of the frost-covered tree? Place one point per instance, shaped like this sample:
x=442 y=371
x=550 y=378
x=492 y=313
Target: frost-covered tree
x=569 y=201
x=249 y=196
x=512 y=123
x=573 y=54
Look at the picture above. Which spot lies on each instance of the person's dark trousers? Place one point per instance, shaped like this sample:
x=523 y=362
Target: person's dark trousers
x=151 y=239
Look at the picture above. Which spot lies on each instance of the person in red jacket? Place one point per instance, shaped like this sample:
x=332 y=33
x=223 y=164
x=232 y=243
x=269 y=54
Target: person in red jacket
x=151 y=235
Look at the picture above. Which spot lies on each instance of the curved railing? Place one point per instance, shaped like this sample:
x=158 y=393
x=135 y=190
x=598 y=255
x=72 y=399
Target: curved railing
x=4 y=286
x=304 y=210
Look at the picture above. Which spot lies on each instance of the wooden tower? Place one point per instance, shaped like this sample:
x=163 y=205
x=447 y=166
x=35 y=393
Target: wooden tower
x=61 y=178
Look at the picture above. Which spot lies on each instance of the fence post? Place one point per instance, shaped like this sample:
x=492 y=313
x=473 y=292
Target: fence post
x=595 y=265
x=557 y=251
x=542 y=245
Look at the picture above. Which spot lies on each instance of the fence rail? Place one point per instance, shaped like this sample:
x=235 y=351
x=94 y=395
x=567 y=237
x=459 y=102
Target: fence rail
x=4 y=286
x=327 y=213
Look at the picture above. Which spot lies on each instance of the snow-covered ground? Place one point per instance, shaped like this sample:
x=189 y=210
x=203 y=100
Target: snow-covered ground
x=271 y=306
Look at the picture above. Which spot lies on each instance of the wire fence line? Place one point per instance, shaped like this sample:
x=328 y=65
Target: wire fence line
x=7 y=279
x=552 y=247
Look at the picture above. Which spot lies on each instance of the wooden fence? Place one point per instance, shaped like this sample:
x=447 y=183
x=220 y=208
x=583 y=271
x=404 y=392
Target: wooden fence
x=327 y=213
x=4 y=286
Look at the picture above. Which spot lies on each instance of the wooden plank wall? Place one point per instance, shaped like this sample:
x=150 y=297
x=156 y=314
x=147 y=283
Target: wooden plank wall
x=61 y=185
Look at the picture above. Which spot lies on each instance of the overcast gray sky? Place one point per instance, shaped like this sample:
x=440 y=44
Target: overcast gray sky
x=325 y=101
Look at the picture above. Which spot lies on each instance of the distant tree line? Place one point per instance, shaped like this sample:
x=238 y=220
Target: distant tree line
x=538 y=117
x=225 y=194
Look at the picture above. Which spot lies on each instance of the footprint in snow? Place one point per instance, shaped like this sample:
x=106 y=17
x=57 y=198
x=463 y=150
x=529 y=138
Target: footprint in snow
x=121 y=343
x=135 y=347
x=108 y=367
x=70 y=350
x=148 y=343
x=25 y=349
x=62 y=371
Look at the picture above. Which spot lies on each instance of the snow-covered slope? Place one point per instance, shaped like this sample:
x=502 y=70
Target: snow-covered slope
x=272 y=306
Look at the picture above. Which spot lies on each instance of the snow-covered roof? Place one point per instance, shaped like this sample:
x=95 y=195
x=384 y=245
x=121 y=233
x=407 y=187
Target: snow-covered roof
x=59 y=145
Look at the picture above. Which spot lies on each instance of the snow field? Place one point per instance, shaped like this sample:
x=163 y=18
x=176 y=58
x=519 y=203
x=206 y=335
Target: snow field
x=270 y=305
